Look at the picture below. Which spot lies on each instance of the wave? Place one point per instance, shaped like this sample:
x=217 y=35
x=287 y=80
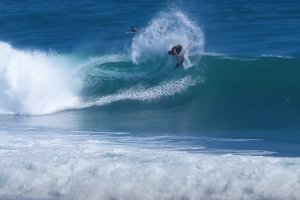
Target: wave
x=36 y=83
x=42 y=83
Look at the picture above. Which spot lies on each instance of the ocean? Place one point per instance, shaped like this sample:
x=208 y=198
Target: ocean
x=90 y=111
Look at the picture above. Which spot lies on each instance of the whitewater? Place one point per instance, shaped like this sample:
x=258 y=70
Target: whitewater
x=99 y=167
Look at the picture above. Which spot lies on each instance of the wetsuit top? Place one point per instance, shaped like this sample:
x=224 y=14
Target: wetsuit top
x=177 y=49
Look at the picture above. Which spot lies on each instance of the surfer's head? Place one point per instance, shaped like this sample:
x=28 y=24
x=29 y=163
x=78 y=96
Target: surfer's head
x=170 y=52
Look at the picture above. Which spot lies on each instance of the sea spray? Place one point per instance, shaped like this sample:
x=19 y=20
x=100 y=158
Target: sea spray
x=164 y=31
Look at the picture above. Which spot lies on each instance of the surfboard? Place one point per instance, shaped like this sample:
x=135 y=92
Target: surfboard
x=130 y=32
x=179 y=63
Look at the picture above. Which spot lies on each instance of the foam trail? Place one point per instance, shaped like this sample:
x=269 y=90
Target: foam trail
x=142 y=94
x=36 y=83
x=99 y=60
x=163 y=32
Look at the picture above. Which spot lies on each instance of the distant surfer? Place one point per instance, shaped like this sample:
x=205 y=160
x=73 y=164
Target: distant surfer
x=132 y=30
x=175 y=51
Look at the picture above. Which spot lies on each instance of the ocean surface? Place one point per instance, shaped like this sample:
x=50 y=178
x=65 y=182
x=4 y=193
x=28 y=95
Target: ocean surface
x=89 y=111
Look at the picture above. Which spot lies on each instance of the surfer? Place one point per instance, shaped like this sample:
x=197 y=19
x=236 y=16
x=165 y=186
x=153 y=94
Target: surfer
x=132 y=30
x=175 y=52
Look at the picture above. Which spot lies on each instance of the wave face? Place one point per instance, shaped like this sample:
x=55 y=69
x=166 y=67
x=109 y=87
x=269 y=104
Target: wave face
x=217 y=92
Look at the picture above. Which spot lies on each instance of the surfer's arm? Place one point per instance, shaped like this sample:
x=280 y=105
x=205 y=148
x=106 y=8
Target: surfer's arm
x=177 y=57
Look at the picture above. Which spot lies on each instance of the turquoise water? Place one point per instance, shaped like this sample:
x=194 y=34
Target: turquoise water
x=88 y=111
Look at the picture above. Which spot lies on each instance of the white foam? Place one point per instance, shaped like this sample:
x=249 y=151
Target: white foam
x=33 y=82
x=142 y=94
x=86 y=167
x=167 y=29
x=215 y=54
x=277 y=56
